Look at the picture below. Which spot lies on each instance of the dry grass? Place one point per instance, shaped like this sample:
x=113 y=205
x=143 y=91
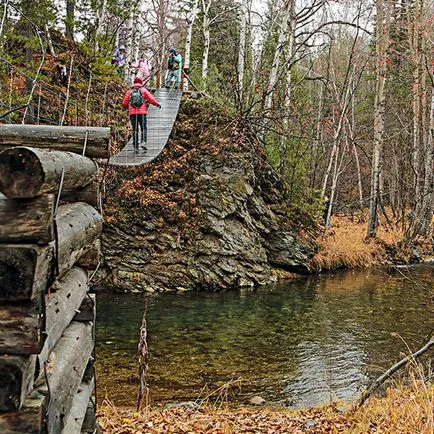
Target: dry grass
x=345 y=245
x=408 y=410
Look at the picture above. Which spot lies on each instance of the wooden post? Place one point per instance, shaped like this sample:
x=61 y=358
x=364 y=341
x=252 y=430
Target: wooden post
x=63 y=138
x=28 y=172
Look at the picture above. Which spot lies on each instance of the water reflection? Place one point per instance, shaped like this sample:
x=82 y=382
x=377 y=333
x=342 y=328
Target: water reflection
x=300 y=343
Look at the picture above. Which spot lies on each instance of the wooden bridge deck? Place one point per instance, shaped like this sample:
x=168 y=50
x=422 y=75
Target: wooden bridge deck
x=160 y=123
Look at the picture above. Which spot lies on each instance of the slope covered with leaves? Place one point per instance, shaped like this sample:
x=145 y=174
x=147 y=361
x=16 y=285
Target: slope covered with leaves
x=209 y=212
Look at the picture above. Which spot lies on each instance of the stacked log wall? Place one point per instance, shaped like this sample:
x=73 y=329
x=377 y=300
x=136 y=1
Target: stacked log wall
x=49 y=245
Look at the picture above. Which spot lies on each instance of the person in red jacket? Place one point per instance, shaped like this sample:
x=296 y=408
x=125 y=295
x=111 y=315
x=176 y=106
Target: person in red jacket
x=135 y=99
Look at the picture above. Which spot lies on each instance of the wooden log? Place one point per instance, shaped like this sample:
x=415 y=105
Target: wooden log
x=90 y=260
x=24 y=270
x=89 y=194
x=78 y=226
x=79 y=408
x=87 y=310
x=46 y=413
x=89 y=423
x=30 y=419
x=20 y=327
x=57 y=137
x=30 y=172
x=16 y=379
x=61 y=307
x=71 y=355
x=27 y=220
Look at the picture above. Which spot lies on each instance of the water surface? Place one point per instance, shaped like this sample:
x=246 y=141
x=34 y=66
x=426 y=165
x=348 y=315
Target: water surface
x=296 y=343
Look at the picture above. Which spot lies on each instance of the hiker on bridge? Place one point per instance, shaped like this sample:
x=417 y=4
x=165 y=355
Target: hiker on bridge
x=174 y=68
x=135 y=99
x=141 y=68
x=119 y=59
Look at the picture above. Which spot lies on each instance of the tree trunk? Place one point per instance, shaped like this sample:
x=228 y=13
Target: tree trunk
x=206 y=37
x=241 y=51
x=283 y=36
x=190 y=22
x=384 y=8
x=70 y=19
x=288 y=95
x=29 y=115
x=129 y=45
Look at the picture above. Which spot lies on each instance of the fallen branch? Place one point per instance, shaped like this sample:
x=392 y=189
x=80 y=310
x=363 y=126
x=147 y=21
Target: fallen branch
x=382 y=378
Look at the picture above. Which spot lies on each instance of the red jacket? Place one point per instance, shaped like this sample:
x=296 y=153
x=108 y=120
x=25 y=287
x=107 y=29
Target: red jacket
x=143 y=109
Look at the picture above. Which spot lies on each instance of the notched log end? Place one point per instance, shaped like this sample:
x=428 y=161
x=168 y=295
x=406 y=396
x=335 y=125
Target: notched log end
x=21 y=173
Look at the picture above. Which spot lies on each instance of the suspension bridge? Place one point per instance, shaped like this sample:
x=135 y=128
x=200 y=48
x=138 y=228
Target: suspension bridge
x=160 y=124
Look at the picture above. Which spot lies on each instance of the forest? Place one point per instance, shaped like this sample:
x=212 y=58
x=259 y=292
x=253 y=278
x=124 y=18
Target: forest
x=339 y=93
x=333 y=98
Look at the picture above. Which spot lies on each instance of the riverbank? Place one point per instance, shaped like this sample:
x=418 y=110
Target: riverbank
x=345 y=246
x=406 y=409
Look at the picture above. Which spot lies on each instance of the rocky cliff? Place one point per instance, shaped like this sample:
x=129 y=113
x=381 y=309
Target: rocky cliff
x=209 y=213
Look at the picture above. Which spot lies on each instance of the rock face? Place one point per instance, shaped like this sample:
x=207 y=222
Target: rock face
x=201 y=217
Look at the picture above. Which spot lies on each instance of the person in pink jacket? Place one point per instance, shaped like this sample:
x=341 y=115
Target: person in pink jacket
x=142 y=68
x=135 y=99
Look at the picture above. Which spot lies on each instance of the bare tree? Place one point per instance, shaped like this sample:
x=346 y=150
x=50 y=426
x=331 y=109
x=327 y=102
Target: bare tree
x=384 y=10
x=70 y=19
x=190 y=22
x=242 y=50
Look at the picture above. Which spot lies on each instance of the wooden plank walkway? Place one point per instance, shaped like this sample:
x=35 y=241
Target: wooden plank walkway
x=160 y=124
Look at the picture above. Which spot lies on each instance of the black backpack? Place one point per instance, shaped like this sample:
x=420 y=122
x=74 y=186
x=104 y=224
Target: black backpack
x=136 y=98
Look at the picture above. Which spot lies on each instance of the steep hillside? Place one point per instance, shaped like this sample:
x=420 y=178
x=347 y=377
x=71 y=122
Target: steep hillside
x=208 y=213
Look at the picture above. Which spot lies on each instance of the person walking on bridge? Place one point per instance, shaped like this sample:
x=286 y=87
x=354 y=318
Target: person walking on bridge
x=136 y=100
x=119 y=59
x=142 y=69
x=174 y=68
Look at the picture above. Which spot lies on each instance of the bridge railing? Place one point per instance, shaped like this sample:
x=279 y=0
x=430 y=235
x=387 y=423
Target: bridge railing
x=49 y=235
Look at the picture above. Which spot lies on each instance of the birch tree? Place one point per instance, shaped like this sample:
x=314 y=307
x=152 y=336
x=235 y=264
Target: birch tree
x=279 y=52
x=242 y=50
x=190 y=22
x=382 y=33
x=206 y=24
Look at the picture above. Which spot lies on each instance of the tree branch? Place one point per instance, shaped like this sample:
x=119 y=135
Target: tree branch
x=382 y=378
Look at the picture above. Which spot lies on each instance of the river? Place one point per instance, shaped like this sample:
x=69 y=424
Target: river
x=297 y=343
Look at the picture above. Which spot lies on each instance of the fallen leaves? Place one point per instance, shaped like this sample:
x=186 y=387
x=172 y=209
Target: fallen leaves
x=205 y=420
